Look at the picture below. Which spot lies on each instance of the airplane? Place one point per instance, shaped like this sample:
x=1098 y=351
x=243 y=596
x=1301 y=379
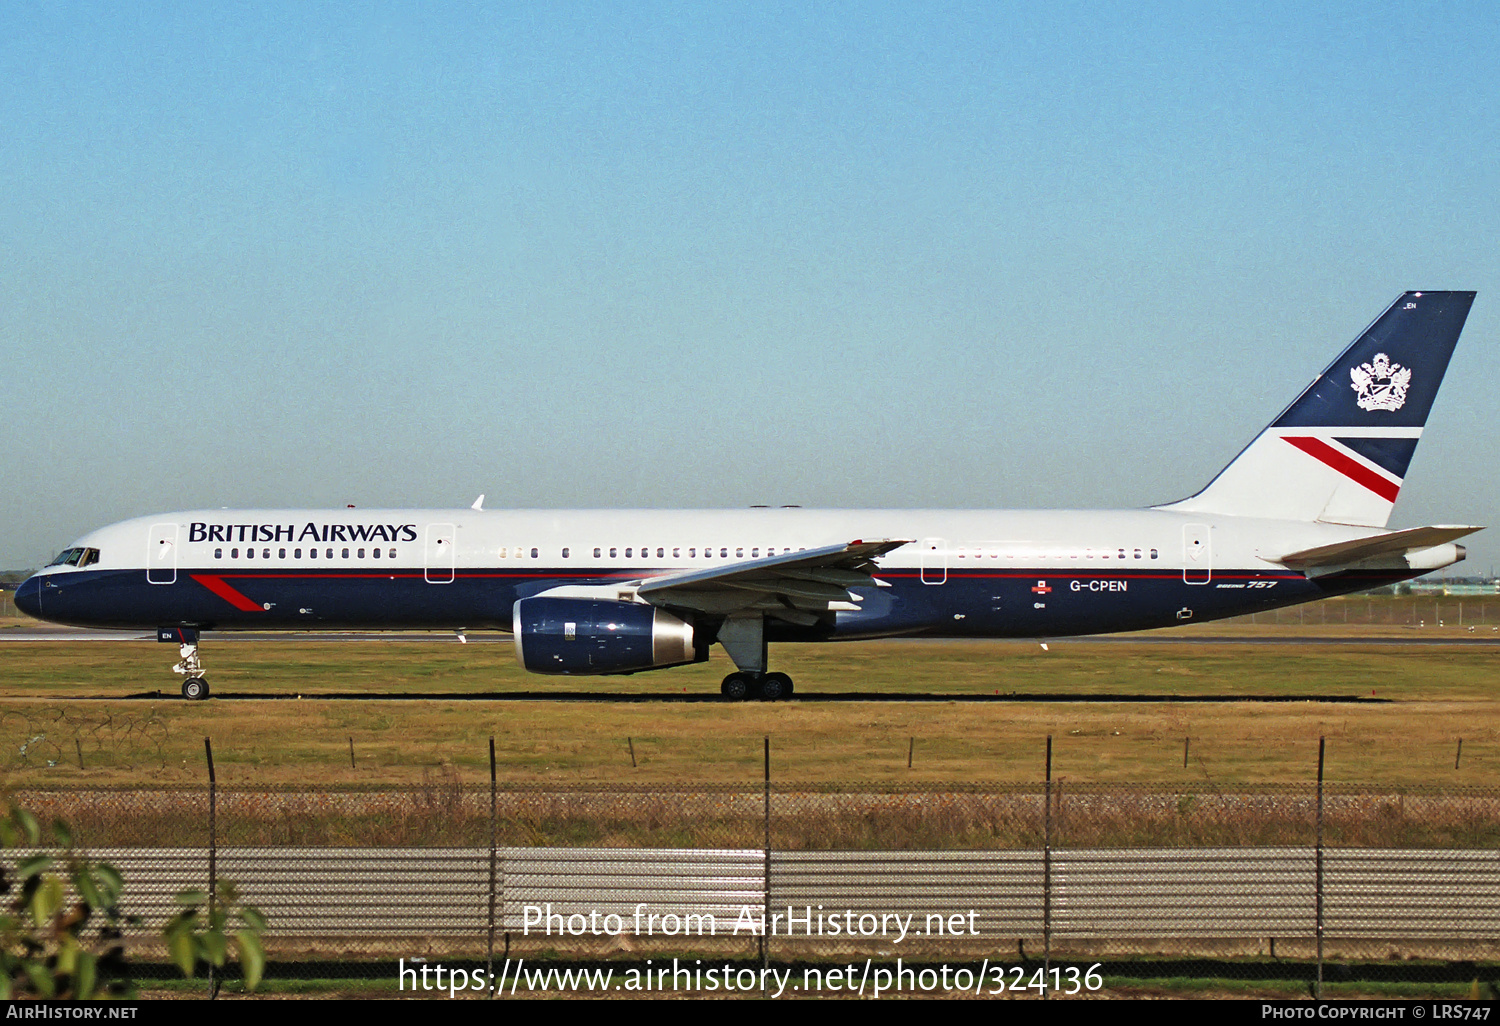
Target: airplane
x=1299 y=515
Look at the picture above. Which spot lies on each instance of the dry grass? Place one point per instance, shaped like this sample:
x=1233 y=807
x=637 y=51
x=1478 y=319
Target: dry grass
x=1088 y=696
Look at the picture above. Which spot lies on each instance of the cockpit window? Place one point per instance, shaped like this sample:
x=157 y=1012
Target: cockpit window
x=76 y=557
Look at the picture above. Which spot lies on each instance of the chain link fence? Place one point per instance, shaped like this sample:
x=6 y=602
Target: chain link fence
x=1297 y=881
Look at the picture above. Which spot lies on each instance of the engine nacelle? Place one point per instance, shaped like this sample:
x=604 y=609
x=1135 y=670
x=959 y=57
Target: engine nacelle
x=588 y=636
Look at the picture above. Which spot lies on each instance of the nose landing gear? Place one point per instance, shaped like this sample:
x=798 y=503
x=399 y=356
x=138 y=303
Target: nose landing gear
x=194 y=686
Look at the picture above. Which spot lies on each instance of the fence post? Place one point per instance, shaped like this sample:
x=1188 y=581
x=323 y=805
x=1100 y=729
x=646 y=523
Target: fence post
x=213 y=850
x=1318 y=871
x=765 y=901
x=1047 y=874
x=494 y=837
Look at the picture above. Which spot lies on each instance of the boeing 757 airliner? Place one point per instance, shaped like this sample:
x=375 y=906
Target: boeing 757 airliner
x=1298 y=515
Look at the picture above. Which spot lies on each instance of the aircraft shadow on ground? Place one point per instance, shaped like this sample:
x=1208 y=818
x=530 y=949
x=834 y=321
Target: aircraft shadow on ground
x=705 y=696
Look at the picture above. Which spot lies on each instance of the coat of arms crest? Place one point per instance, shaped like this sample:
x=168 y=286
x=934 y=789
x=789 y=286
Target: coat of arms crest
x=1380 y=384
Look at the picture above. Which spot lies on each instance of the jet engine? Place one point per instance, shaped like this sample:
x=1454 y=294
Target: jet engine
x=589 y=636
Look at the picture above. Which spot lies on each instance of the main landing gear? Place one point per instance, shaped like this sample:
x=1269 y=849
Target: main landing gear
x=744 y=638
x=194 y=686
x=767 y=687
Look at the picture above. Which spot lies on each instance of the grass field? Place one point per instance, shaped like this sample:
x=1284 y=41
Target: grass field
x=962 y=711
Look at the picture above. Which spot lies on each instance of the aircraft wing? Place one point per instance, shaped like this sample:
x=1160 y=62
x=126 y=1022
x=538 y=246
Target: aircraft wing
x=1395 y=543
x=795 y=586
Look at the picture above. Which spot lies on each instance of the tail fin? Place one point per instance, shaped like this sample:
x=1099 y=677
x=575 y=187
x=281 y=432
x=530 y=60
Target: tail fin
x=1339 y=453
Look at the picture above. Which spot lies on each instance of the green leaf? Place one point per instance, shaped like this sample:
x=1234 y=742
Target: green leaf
x=183 y=951
x=41 y=979
x=253 y=917
x=215 y=947
x=47 y=900
x=32 y=866
x=83 y=881
x=192 y=897
x=87 y=976
x=110 y=880
x=252 y=958
x=62 y=833
x=29 y=826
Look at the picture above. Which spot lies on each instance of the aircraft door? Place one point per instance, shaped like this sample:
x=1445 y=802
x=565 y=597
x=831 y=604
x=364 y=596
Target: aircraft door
x=161 y=554
x=1197 y=554
x=934 y=560
x=439 y=552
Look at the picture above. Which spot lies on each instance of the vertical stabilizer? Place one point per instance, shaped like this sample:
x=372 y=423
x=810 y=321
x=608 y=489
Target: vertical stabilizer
x=1339 y=453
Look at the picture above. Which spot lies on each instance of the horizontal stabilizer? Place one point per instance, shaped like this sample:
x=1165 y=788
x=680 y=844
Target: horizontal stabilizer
x=1360 y=549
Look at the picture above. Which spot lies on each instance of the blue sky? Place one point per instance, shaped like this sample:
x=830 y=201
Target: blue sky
x=714 y=255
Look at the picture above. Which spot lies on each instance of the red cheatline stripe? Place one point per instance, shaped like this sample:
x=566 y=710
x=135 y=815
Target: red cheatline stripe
x=1358 y=472
x=227 y=593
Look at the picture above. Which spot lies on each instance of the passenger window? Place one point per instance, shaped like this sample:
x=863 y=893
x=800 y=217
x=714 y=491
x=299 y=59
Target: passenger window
x=249 y=553
x=739 y=553
x=723 y=553
x=1137 y=553
x=565 y=552
x=676 y=553
x=1153 y=553
x=502 y=552
x=628 y=552
x=596 y=552
x=755 y=553
x=613 y=553
x=234 y=553
x=391 y=555
x=661 y=553
x=312 y=553
x=218 y=553
x=1122 y=553
x=361 y=553
x=281 y=554
x=329 y=554
x=265 y=553
x=346 y=553
x=375 y=553
x=692 y=552
x=533 y=553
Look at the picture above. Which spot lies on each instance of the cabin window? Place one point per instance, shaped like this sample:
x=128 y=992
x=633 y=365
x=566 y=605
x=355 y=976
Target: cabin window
x=723 y=553
x=281 y=553
x=503 y=551
x=312 y=553
x=628 y=551
x=676 y=553
x=375 y=553
x=1122 y=553
x=218 y=553
x=346 y=554
x=328 y=554
x=249 y=553
x=661 y=553
x=739 y=553
x=612 y=552
x=361 y=553
x=533 y=553
x=1153 y=553
x=234 y=553
x=565 y=552
x=692 y=552
x=755 y=553
x=596 y=552
x=392 y=554
x=1137 y=553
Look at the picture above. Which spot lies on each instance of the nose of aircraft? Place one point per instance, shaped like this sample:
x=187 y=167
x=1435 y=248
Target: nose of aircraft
x=29 y=597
